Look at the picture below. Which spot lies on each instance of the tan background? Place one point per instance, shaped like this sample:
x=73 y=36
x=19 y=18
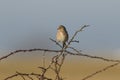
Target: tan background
x=74 y=67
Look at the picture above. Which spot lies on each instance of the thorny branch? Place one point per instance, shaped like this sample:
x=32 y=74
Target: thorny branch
x=56 y=51
x=99 y=71
x=72 y=39
x=27 y=75
x=58 y=60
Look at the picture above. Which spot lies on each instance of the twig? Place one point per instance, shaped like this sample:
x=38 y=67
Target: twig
x=58 y=60
x=85 y=55
x=56 y=51
x=29 y=50
x=55 y=42
x=81 y=29
x=58 y=68
x=44 y=70
x=99 y=71
x=46 y=49
x=75 y=41
x=26 y=74
x=90 y=56
x=11 y=76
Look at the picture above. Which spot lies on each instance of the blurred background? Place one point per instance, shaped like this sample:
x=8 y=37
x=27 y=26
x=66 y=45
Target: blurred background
x=26 y=24
x=30 y=24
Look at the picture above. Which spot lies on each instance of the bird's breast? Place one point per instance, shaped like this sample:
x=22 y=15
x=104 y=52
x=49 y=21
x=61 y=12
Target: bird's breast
x=60 y=36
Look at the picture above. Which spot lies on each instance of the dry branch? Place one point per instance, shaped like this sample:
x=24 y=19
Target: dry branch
x=56 y=51
x=27 y=75
x=99 y=71
x=58 y=60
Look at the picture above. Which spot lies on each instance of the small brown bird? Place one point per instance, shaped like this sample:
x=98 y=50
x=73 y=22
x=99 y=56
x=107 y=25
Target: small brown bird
x=62 y=35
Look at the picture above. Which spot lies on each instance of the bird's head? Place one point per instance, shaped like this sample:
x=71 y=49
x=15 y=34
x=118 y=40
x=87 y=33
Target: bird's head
x=61 y=27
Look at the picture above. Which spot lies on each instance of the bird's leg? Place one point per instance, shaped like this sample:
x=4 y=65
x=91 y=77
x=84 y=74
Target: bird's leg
x=63 y=45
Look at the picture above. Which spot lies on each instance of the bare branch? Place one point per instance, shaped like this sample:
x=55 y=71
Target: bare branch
x=55 y=42
x=29 y=50
x=25 y=74
x=75 y=41
x=56 y=51
x=81 y=29
x=20 y=75
x=90 y=56
x=99 y=71
x=11 y=76
x=58 y=60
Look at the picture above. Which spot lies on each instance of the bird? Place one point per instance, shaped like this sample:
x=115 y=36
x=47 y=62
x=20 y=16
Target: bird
x=62 y=35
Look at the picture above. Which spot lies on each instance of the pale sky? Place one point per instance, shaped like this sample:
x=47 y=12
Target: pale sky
x=28 y=24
